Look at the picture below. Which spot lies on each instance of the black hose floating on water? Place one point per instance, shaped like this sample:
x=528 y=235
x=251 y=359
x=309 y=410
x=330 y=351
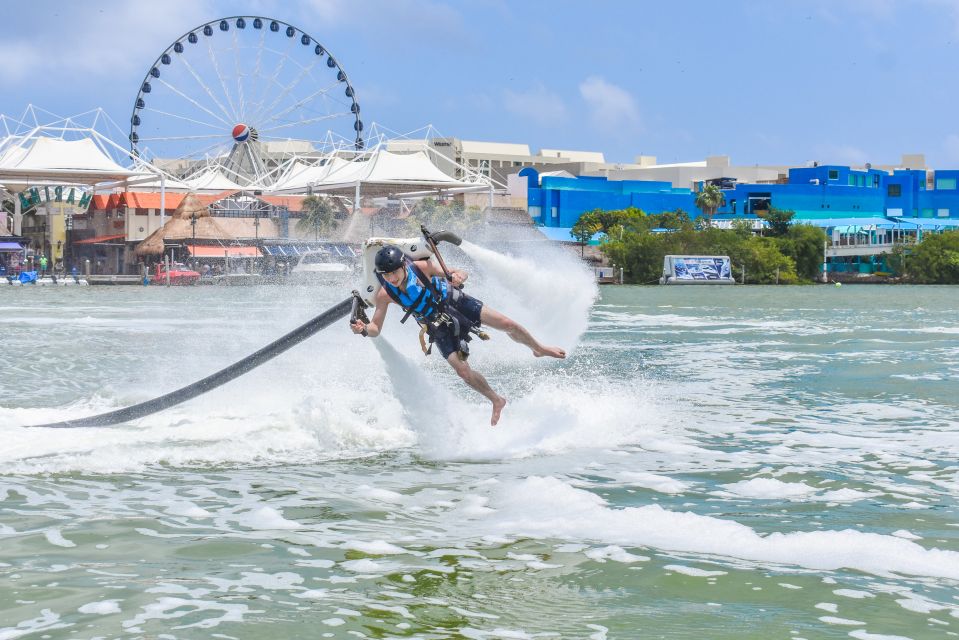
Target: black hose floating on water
x=200 y=387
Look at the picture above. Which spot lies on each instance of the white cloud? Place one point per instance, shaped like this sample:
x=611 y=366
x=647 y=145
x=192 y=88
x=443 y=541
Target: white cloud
x=18 y=60
x=612 y=108
x=537 y=103
x=81 y=42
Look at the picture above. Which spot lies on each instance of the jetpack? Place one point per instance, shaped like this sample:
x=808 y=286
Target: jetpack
x=416 y=248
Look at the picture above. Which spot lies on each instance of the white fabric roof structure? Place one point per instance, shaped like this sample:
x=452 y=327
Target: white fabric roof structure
x=403 y=170
x=212 y=179
x=378 y=172
x=300 y=176
x=171 y=184
x=47 y=160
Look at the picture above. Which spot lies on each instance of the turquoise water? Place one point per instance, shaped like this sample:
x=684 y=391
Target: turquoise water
x=739 y=462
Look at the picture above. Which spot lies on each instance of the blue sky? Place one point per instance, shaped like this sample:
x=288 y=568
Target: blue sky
x=783 y=82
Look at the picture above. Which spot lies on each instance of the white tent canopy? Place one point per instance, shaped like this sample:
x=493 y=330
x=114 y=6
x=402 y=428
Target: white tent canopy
x=381 y=172
x=300 y=176
x=155 y=184
x=212 y=179
x=46 y=160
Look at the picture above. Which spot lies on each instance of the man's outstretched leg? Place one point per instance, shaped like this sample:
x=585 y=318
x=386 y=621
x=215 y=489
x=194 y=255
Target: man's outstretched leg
x=476 y=380
x=516 y=331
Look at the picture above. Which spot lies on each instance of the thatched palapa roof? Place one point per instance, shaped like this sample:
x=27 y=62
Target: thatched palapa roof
x=180 y=227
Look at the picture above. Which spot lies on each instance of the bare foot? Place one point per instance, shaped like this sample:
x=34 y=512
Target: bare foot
x=552 y=352
x=497 y=409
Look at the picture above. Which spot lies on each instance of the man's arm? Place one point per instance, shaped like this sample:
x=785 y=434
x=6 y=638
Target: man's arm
x=430 y=269
x=374 y=327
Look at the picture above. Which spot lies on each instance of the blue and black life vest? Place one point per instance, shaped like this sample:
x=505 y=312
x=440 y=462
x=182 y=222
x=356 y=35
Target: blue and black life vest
x=423 y=298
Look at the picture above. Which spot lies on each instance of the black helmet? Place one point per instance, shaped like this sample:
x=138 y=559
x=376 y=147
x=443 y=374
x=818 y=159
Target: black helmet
x=389 y=258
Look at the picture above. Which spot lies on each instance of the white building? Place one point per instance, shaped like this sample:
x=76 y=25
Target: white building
x=497 y=159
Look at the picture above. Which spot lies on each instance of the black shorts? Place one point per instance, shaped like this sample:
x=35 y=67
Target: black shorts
x=467 y=310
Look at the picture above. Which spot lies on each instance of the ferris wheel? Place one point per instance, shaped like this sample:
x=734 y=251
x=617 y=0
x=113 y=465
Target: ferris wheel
x=243 y=93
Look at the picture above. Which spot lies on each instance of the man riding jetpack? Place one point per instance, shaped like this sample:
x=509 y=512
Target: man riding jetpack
x=434 y=296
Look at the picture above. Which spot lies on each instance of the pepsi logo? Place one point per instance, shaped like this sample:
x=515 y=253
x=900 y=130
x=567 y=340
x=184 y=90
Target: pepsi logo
x=241 y=132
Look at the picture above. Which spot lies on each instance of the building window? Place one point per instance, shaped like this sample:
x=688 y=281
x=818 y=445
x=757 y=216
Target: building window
x=946 y=184
x=852 y=180
x=943 y=213
x=925 y=213
x=875 y=181
x=833 y=174
x=894 y=190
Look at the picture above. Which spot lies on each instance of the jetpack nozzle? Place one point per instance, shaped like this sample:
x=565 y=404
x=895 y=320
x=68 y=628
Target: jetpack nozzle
x=441 y=236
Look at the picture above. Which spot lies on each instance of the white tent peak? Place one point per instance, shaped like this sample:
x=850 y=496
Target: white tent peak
x=44 y=153
x=212 y=179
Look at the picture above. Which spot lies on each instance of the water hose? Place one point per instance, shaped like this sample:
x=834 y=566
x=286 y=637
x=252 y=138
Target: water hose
x=221 y=377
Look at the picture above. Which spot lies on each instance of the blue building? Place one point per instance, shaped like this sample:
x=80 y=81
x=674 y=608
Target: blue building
x=559 y=202
x=813 y=192
x=863 y=212
x=819 y=192
x=838 y=191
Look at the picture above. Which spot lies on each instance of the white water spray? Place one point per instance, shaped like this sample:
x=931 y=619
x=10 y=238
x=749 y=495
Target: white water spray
x=550 y=293
x=426 y=405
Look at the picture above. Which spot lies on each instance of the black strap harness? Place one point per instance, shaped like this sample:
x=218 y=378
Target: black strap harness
x=438 y=303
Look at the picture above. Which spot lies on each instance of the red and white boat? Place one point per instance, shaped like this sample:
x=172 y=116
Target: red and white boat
x=180 y=275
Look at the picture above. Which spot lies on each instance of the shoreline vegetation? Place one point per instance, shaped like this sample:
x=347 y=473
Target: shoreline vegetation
x=784 y=253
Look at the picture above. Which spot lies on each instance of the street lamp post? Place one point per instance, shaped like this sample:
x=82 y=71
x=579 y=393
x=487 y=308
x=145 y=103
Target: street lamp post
x=68 y=232
x=193 y=243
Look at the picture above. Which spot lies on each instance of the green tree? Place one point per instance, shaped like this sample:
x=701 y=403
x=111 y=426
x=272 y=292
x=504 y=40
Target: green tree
x=804 y=244
x=778 y=220
x=442 y=216
x=765 y=264
x=611 y=221
x=742 y=227
x=935 y=260
x=640 y=255
x=318 y=216
x=677 y=219
x=584 y=229
x=709 y=200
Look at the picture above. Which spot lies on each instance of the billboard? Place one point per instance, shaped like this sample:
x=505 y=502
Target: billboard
x=698 y=269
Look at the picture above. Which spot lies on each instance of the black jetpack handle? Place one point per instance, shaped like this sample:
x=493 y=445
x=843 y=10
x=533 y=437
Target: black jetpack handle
x=441 y=236
x=357 y=309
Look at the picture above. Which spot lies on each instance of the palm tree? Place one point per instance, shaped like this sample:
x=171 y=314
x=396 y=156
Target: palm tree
x=318 y=216
x=709 y=200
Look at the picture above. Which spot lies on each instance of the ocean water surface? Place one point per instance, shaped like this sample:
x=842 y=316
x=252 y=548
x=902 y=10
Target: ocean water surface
x=735 y=462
